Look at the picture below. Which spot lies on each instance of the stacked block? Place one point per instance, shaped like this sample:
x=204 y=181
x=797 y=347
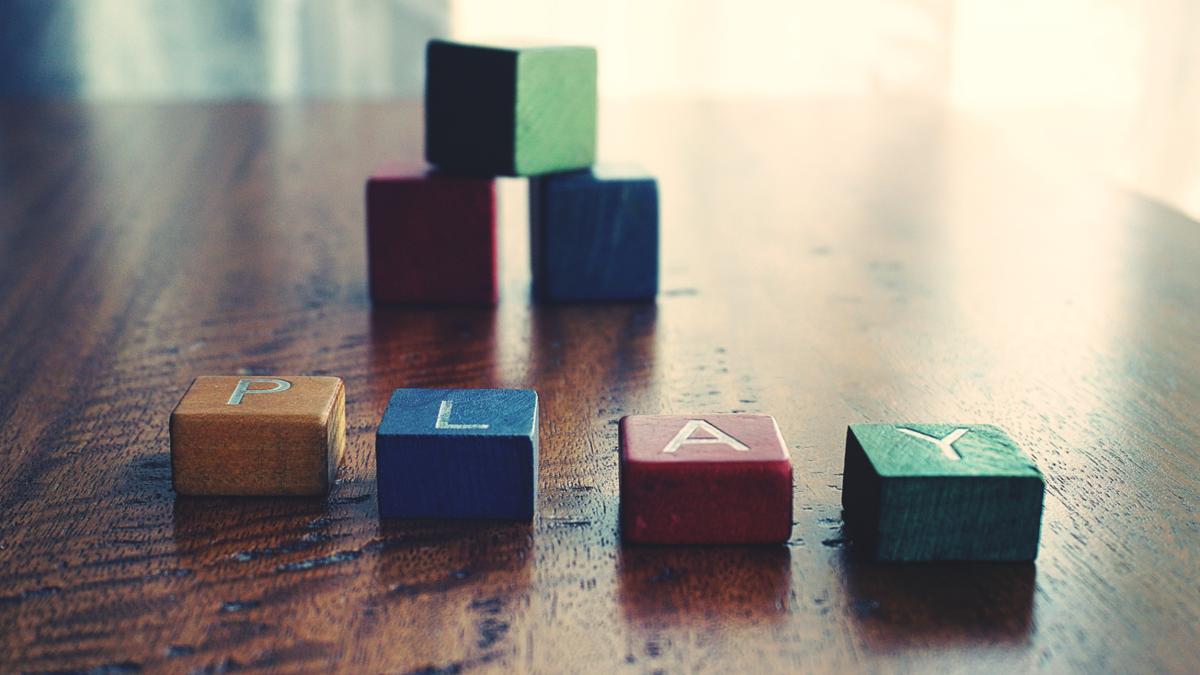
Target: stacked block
x=275 y=436
x=704 y=479
x=514 y=110
x=594 y=234
x=911 y=492
x=926 y=492
x=431 y=236
x=458 y=453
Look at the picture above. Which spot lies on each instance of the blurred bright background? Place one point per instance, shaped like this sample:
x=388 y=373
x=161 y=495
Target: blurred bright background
x=1110 y=84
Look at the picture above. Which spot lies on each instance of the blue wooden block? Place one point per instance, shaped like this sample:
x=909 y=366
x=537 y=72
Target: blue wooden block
x=458 y=453
x=595 y=234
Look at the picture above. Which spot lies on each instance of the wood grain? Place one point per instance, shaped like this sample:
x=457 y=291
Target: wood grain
x=827 y=263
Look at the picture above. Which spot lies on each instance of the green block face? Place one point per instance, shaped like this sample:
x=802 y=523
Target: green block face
x=514 y=110
x=925 y=492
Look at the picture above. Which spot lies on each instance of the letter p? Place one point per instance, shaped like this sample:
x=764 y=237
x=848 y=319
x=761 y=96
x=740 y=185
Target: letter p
x=243 y=388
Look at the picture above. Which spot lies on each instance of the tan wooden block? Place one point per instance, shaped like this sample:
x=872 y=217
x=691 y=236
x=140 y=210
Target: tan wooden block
x=266 y=436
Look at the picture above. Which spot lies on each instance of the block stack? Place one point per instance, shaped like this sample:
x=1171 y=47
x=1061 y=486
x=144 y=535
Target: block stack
x=511 y=110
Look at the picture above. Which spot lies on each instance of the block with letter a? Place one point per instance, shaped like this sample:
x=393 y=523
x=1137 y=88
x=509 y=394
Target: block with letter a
x=458 y=453
x=704 y=479
x=264 y=436
x=926 y=492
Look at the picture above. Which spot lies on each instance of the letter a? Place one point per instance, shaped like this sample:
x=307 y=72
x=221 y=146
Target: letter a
x=684 y=437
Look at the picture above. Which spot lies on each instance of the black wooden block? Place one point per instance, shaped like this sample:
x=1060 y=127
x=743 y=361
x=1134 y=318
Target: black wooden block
x=595 y=234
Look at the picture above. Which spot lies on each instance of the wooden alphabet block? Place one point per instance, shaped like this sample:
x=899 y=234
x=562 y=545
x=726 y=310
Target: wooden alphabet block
x=517 y=110
x=236 y=436
x=594 y=234
x=704 y=479
x=918 y=492
x=458 y=453
x=431 y=237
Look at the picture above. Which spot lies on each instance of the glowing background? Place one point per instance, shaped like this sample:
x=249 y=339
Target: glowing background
x=1109 y=84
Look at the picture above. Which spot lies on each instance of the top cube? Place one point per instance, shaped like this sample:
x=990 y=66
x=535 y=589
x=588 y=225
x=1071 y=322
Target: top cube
x=510 y=110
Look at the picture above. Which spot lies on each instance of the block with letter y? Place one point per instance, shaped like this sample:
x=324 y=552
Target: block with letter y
x=704 y=479
x=926 y=492
x=265 y=436
x=458 y=453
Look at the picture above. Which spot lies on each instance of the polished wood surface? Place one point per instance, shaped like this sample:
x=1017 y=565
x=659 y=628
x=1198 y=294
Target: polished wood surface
x=826 y=263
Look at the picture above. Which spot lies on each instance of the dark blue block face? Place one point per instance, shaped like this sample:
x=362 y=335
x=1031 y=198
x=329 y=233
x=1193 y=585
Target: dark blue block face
x=458 y=453
x=595 y=234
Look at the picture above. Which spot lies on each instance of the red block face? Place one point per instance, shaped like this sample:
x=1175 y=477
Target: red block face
x=704 y=479
x=430 y=237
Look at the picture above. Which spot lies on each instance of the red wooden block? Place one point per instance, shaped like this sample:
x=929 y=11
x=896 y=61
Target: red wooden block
x=431 y=237
x=704 y=479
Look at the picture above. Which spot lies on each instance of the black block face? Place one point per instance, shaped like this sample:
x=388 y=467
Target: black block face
x=470 y=107
x=861 y=486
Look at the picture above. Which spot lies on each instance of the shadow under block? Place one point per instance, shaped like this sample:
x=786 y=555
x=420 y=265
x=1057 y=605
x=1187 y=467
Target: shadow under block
x=926 y=492
x=458 y=453
x=265 y=436
x=594 y=234
x=704 y=479
x=511 y=110
x=431 y=237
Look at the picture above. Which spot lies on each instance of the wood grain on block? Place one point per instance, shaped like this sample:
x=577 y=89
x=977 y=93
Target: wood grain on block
x=704 y=479
x=234 y=436
x=431 y=237
x=923 y=492
x=458 y=453
x=518 y=109
x=594 y=234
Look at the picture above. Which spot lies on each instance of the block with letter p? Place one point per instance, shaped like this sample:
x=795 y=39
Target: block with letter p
x=458 y=453
x=265 y=436
x=704 y=479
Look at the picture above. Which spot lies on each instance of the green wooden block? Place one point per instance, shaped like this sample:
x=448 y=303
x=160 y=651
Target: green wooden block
x=517 y=110
x=923 y=492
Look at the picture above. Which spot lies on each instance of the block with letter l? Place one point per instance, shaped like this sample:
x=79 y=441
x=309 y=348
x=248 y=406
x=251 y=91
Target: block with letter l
x=431 y=237
x=952 y=492
x=594 y=234
x=704 y=479
x=458 y=453
x=265 y=436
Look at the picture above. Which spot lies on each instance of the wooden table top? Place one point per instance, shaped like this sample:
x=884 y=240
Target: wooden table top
x=827 y=263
